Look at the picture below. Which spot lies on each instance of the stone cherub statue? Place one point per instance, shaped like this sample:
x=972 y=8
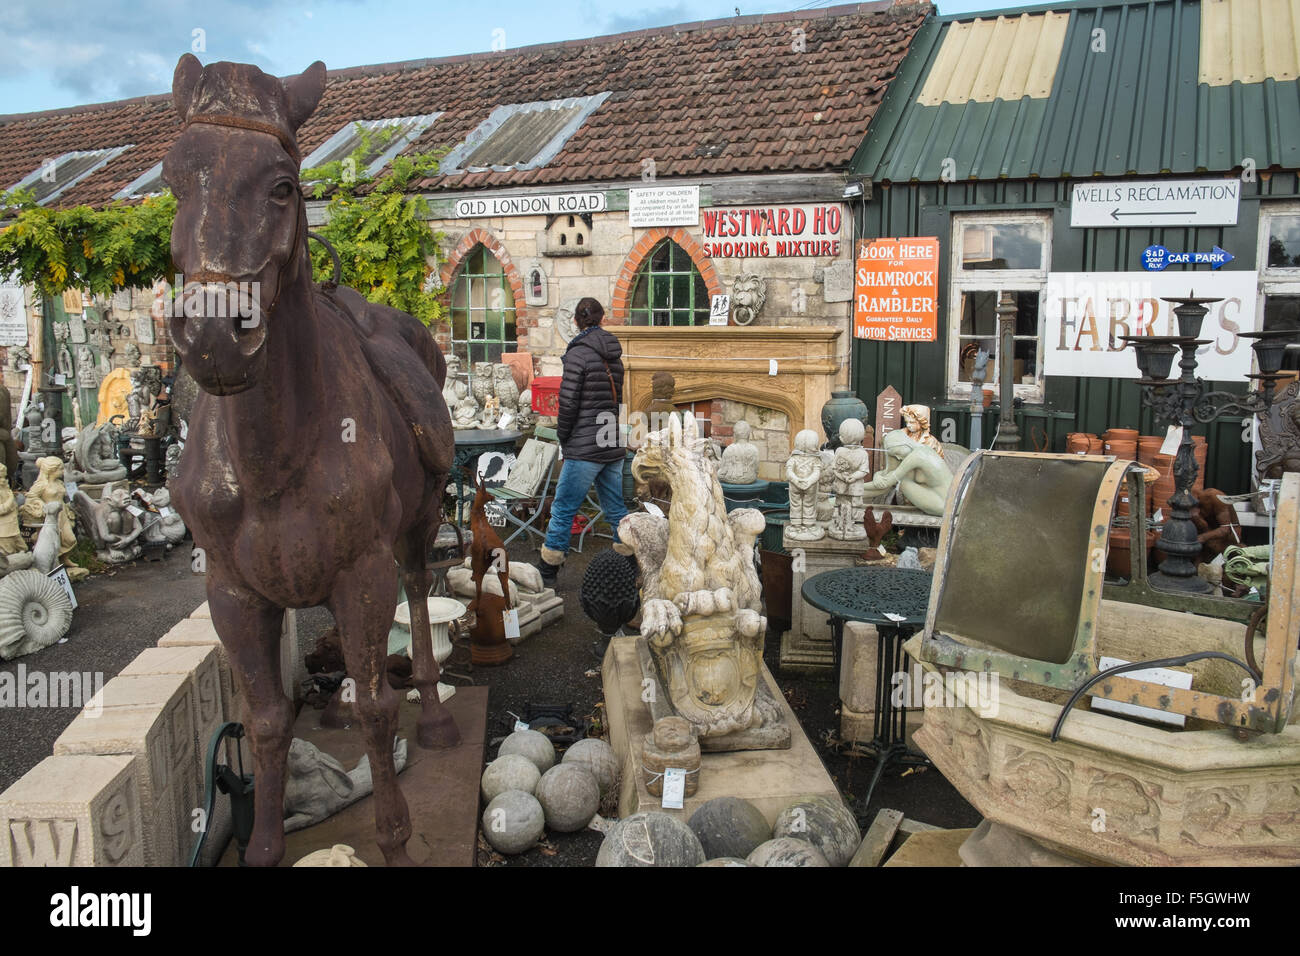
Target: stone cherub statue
x=739 y=464
x=701 y=610
x=168 y=527
x=803 y=472
x=851 y=466
x=465 y=412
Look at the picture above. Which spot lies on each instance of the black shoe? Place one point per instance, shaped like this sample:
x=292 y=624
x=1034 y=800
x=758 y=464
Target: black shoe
x=550 y=572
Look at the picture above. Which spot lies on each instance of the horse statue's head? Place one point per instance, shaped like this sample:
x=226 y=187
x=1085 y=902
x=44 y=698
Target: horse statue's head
x=241 y=224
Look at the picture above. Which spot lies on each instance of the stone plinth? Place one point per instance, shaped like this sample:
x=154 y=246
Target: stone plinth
x=74 y=811
x=769 y=779
x=806 y=647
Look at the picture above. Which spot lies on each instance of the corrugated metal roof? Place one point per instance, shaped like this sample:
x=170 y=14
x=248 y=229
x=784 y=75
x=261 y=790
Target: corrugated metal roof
x=1006 y=58
x=1127 y=98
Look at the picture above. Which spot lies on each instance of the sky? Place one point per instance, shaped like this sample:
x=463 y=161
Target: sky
x=59 y=53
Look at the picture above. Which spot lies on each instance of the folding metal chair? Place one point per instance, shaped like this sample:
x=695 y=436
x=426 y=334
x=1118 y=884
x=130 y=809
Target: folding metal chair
x=534 y=495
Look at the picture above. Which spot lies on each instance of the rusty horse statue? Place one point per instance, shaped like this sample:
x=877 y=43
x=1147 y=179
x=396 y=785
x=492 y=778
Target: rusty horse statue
x=320 y=444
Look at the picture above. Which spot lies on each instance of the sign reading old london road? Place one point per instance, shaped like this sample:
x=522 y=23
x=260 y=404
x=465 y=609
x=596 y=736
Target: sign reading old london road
x=1155 y=202
x=544 y=205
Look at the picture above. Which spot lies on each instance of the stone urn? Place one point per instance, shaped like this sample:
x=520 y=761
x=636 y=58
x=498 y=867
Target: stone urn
x=843 y=404
x=442 y=611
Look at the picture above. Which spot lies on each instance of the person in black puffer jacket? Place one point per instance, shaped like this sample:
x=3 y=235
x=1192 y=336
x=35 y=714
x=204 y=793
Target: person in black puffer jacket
x=589 y=433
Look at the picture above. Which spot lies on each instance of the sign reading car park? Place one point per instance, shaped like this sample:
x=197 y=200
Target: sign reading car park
x=545 y=205
x=1155 y=202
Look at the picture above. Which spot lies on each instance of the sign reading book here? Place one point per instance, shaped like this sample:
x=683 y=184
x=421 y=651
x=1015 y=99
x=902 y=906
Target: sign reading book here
x=896 y=289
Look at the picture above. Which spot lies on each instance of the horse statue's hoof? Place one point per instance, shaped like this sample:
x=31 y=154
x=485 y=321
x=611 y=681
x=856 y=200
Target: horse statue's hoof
x=438 y=731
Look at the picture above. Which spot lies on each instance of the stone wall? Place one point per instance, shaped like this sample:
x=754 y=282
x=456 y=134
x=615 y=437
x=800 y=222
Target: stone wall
x=769 y=433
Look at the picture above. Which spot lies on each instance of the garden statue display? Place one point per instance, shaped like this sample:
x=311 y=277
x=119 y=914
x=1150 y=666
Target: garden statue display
x=11 y=539
x=290 y=508
x=318 y=787
x=701 y=612
x=168 y=527
x=114 y=530
x=525 y=418
x=849 y=470
x=34 y=446
x=507 y=392
x=466 y=412
x=739 y=464
x=919 y=471
x=826 y=486
x=803 y=472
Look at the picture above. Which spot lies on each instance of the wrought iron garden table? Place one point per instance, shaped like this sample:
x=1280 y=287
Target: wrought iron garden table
x=895 y=600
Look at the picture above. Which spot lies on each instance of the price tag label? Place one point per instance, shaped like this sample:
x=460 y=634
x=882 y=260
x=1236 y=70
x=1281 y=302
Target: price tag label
x=1173 y=438
x=506 y=419
x=511 y=618
x=520 y=725
x=60 y=574
x=1158 y=517
x=138 y=512
x=674 y=788
x=60 y=379
x=720 y=309
x=771 y=366
x=164 y=511
x=654 y=509
x=895 y=617
x=496 y=514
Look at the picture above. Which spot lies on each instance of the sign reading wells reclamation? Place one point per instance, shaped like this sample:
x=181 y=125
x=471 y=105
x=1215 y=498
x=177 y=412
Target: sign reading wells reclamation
x=895 y=290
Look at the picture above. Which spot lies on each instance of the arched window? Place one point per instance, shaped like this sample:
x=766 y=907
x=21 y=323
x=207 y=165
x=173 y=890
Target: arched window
x=482 y=310
x=668 y=289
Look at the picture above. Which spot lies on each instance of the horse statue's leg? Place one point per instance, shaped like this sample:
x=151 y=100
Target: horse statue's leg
x=249 y=626
x=437 y=728
x=362 y=603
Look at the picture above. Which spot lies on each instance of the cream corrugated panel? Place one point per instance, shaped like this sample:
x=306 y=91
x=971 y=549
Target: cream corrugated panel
x=1006 y=58
x=1249 y=41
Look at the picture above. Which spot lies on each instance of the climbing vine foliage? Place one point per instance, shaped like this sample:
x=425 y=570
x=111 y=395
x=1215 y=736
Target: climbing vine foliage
x=387 y=250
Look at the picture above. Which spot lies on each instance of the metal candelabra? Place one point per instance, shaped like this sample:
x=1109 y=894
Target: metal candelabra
x=1186 y=401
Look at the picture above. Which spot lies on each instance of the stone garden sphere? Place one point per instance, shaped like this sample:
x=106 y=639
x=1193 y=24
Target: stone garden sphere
x=826 y=824
x=534 y=745
x=513 y=822
x=852 y=431
x=569 y=795
x=786 y=851
x=725 y=861
x=729 y=827
x=598 y=757
x=509 y=772
x=650 y=839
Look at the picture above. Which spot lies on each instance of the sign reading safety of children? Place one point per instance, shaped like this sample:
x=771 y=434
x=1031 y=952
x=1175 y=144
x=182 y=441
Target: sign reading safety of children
x=895 y=290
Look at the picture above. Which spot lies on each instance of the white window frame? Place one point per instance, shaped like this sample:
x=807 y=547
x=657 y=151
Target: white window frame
x=994 y=280
x=1273 y=280
x=399 y=143
x=106 y=156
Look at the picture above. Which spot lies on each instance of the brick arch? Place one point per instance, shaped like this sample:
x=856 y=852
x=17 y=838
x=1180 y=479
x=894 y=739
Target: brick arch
x=649 y=239
x=467 y=244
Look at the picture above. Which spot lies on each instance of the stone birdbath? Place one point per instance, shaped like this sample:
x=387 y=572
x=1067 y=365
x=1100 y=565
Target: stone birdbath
x=442 y=611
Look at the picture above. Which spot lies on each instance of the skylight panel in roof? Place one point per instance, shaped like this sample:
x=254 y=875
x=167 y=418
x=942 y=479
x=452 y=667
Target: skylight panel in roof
x=52 y=178
x=522 y=135
x=148 y=183
x=388 y=137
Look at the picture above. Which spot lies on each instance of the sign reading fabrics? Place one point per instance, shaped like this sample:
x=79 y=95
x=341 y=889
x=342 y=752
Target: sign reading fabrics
x=1155 y=202
x=896 y=290
x=1085 y=313
x=549 y=205
x=663 y=206
x=751 y=232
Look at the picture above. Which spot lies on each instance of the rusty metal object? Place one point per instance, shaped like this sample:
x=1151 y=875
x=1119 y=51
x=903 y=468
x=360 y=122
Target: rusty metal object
x=319 y=445
x=488 y=643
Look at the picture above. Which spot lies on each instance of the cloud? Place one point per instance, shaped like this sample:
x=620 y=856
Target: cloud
x=658 y=17
x=130 y=47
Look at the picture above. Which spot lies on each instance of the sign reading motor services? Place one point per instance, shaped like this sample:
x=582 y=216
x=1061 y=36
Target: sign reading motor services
x=755 y=232
x=1085 y=313
x=896 y=290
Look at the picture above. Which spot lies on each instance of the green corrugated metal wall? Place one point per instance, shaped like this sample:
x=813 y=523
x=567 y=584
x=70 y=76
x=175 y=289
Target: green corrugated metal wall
x=1071 y=404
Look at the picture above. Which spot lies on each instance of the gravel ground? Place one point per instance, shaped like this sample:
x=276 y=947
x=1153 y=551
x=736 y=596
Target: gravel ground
x=126 y=611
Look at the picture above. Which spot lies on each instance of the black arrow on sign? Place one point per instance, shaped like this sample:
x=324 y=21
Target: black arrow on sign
x=1115 y=213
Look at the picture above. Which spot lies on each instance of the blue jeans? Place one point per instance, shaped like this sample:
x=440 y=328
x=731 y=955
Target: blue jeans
x=575 y=481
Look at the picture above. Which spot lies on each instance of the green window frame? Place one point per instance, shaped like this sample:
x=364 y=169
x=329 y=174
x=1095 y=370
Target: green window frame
x=669 y=289
x=482 y=310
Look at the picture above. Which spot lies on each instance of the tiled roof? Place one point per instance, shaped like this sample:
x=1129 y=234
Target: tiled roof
x=741 y=95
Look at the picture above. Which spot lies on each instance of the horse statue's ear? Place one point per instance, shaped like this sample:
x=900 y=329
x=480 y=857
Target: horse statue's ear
x=304 y=92
x=188 y=71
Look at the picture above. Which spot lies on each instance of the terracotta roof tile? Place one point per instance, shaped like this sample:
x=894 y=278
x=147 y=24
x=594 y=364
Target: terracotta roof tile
x=672 y=89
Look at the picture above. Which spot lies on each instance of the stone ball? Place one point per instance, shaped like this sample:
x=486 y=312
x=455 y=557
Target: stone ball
x=598 y=757
x=825 y=823
x=729 y=827
x=650 y=839
x=786 y=851
x=513 y=822
x=569 y=795
x=534 y=745
x=725 y=861
x=509 y=772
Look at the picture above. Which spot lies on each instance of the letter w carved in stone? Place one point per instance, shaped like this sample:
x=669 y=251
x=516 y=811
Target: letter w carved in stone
x=43 y=842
